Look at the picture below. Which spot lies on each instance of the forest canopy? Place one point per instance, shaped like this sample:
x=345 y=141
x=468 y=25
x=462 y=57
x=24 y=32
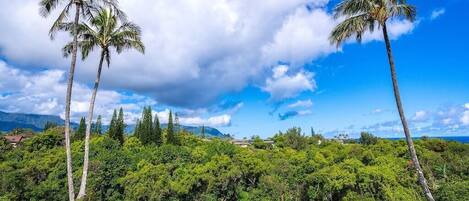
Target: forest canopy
x=294 y=167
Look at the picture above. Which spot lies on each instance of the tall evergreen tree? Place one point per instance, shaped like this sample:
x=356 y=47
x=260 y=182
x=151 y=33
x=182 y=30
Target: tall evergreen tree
x=202 y=132
x=113 y=126
x=98 y=128
x=136 y=129
x=120 y=127
x=157 y=131
x=176 y=123
x=170 y=134
x=49 y=125
x=146 y=126
x=80 y=133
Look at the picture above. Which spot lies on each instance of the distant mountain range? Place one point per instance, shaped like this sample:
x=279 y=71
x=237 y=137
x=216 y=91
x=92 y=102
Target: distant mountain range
x=36 y=122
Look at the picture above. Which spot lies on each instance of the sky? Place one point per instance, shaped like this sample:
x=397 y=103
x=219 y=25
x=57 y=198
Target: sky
x=251 y=68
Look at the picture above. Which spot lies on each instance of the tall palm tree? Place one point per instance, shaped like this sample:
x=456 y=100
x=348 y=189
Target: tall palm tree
x=46 y=8
x=366 y=15
x=83 y=8
x=106 y=31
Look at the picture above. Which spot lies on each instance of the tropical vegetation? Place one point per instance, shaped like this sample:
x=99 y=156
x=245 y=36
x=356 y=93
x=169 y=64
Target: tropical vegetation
x=295 y=167
x=156 y=163
x=362 y=16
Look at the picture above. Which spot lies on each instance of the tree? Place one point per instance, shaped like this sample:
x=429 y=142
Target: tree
x=46 y=8
x=106 y=31
x=364 y=15
x=176 y=123
x=202 y=132
x=83 y=8
x=145 y=129
x=157 y=130
x=170 y=134
x=367 y=138
x=137 y=129
x=98 y=128
x=49 y=125
x=80 y=133
x=112 y=131
x=120 y=130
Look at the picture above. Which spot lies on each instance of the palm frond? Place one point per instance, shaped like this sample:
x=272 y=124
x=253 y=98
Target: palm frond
x=114 y=5
x=106 y=31
x=409 y=12
x=127 y=44
x=108 y=57
x=59 y=21
x=355 y=25
x=86 y=47
x=67 y=49
x=352 y=7
x=47 y=6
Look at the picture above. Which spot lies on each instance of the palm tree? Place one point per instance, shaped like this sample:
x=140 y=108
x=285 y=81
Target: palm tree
x=46 y=7
x=83 y=8
x=106 y=31
x=366 y=15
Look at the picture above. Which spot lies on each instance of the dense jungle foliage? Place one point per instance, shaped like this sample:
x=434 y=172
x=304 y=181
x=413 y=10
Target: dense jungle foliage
x=295 y=167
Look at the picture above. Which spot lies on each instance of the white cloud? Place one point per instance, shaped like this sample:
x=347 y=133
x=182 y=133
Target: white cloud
x=43 y=93
x=282 y=86
x=215 y=121
x=301 y=103
x=421 y=116
x=195 y=50
x=396 y=28
x=196 y=118
x=437 y=13
x=303 y=37
x=465 y=116
x=190 y=45
x=377 y=111
x=448 y=120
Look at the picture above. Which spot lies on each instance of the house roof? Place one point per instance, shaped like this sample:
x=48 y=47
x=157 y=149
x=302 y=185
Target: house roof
x=14 y=138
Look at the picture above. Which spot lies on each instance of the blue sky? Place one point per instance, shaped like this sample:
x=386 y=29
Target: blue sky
x=246 y=72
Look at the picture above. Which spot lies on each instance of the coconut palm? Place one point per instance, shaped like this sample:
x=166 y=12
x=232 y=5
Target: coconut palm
x=106 y=31
x=366 y=15
x=83 y=8
x=46 y=7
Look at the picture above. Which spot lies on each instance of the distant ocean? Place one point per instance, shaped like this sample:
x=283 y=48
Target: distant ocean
x=461 y=139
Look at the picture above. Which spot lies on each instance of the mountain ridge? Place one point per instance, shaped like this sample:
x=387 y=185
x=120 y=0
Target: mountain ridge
x=36 y=122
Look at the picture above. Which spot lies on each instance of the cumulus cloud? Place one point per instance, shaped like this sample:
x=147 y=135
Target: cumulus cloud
x=303 y=37
x=182 y=58
x=437 y=13
x=195 y=50
x=283 y=86
x=193 y=120
x=43 y=93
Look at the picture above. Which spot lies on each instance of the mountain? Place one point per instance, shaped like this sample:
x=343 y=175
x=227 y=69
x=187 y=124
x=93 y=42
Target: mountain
x=196 y=130
x=36 y=122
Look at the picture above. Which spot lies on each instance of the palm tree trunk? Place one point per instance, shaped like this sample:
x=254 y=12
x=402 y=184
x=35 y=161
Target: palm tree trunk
x=410 y=143
x=82 y=191
x=71 y=191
